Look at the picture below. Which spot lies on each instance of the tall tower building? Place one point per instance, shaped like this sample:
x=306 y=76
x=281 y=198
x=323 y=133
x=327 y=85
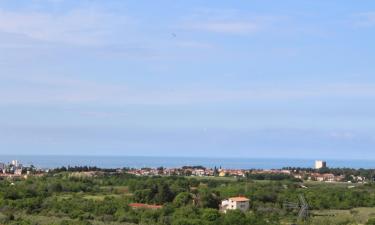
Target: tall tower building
x=15 y=163
x=320 y=164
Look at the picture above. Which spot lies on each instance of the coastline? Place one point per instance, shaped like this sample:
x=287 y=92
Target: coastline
x=53 y=161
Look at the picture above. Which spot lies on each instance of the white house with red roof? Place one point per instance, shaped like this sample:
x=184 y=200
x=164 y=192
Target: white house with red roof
x=240 y=203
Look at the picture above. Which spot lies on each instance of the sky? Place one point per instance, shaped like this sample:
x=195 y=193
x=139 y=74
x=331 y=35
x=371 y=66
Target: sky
x=244 y=78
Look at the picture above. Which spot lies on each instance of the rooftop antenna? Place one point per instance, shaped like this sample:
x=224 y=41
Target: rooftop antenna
x=302 y=206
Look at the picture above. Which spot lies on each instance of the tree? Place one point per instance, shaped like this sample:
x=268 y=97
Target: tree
x=234 y=217
x=182 y=199
x=164 y=194
x=210 y=216
x=208 y=199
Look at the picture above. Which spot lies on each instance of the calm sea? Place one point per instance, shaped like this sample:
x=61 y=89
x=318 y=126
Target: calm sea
x=49 y=161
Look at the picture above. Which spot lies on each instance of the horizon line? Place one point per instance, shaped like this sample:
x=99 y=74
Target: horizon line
x=185 y=156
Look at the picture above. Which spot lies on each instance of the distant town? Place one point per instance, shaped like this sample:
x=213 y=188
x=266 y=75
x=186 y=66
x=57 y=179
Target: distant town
x=15 y=169
x=321 y=172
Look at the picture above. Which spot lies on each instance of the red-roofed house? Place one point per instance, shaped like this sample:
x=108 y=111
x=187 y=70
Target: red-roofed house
x=234 y=203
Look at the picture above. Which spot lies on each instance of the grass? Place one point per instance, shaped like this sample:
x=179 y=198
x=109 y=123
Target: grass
x=117 y=188
x=100 y=197
x=213 y=178
x=331 y=184
x=52 y=220
x=356 y=215
x=95 y=197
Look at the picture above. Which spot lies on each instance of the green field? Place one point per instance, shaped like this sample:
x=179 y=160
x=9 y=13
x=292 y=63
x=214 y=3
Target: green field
x=354 y=216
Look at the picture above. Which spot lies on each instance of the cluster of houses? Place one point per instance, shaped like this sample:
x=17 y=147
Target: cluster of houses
x=329 y=177
x=220 y=172
x=188 y=171
x=14 y=168
x=325 y=177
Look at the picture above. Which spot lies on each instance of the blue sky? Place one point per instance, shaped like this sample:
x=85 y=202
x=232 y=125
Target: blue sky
x=250 y=78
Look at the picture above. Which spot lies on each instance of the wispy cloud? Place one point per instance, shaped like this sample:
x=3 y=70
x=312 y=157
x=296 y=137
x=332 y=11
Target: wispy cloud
x=228 y=21
x=229 y=27
x=342 y=135
x=79 y=26
x=365 y=19
x=194 y=45
x=52 y=90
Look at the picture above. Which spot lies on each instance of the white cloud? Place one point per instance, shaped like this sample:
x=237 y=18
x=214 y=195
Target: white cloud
x=52 y=90
x=194 y=45
x=79 y=26
x=345 y=135
x=229 y=27
x=229 y=21
x=366 y=19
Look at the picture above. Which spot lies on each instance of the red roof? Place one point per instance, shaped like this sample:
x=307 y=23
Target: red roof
x=239 y=199
x=146 y=206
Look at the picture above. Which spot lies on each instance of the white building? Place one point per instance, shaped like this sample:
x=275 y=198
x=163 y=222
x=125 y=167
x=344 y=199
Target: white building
x=320 y=164
x=328 y=177
x=15 y=163
x=240 y=203
x=199 y=172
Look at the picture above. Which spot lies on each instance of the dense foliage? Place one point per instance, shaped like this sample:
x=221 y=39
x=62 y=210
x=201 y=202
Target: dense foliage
x=68 y=198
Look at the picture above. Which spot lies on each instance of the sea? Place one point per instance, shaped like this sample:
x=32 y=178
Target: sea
x=54 y=161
